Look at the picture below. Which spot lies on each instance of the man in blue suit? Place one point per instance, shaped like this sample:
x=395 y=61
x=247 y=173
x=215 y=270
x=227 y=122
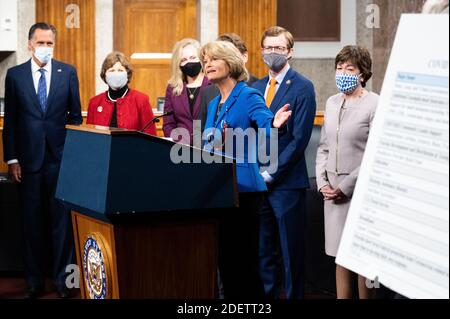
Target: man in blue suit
x=41 y=97
x=282 y=218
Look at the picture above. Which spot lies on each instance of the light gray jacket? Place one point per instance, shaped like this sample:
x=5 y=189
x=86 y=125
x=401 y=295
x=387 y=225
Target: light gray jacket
x=343 y=140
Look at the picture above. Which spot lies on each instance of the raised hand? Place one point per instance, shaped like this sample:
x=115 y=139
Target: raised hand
x=282 y=116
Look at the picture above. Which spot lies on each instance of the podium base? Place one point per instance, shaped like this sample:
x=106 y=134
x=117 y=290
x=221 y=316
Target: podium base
x=166 y=258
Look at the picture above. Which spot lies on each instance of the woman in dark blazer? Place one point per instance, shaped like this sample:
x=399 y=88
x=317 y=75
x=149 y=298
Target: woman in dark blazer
x=238 y=108
x=184 y=91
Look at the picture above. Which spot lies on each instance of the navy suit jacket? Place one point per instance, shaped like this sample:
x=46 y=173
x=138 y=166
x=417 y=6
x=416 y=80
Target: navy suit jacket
x=28 y=131
x=244 y=108
x=293 y=140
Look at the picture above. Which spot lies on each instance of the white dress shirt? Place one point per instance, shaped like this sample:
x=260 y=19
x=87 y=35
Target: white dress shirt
x=280 y=77
x=37 y=75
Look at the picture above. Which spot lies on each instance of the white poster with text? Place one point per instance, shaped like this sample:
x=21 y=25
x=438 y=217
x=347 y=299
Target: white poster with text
x=397 y=229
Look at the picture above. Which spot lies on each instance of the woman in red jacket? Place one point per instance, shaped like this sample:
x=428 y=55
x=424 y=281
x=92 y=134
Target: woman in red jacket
x=120 y=106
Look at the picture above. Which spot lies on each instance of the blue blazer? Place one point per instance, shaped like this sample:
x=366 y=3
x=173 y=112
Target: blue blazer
x=245 y=108
x=293 y=140
x=27 y=129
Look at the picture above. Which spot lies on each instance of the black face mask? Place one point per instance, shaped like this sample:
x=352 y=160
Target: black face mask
x=191 y=69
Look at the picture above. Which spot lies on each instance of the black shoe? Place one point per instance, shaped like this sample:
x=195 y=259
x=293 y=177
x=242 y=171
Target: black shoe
x=34 y=292
x=64 y=293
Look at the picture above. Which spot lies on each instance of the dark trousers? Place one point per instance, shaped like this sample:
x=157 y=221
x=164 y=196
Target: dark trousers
x=238 y=250
x=282 y=243
x=39 y=206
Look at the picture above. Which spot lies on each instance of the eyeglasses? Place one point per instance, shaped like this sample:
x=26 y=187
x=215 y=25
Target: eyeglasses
x=269 y=49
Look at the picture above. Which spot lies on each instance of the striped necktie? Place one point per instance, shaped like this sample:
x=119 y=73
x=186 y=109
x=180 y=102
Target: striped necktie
x=42 y=90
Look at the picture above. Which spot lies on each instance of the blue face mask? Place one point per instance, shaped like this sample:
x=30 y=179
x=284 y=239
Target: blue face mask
x=43 y=54
x=347 y=83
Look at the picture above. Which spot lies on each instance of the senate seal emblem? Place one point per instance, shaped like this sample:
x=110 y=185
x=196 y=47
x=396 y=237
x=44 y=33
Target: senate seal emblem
x=96 y=267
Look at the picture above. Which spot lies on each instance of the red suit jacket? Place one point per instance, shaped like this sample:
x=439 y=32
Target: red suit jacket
x=133 y=111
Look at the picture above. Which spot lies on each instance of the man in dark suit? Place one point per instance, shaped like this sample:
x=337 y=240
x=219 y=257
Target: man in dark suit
x=212 y=91
x=41 y=97
x=282 y=218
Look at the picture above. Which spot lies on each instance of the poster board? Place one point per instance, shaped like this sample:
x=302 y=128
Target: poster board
x=397 y=229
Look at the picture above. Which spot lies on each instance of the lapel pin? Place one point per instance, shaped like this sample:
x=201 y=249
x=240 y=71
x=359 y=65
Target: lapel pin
x=100 y=109
x=288 y=82
x=59 y=70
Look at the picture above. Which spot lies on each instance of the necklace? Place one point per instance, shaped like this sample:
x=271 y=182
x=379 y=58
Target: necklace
x=192 y=93
x=109 y=97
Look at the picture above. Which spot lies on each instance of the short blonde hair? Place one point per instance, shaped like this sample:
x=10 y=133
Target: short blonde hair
x=276 y=31
x=226 y=51
x=112 y=59
x=178 y=79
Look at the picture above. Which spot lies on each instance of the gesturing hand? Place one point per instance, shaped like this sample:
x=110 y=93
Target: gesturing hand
x=282 y=116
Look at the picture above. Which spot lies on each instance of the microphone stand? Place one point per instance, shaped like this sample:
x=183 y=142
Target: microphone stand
x=154 y=120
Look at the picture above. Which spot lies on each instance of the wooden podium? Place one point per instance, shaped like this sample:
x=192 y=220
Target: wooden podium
x=144 y=226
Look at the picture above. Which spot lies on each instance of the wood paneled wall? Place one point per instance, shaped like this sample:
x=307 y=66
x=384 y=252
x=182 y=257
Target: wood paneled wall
x=305 y=19
x=152 y=26
x=384 y=40
x=249 y=19
x=74 y=45
x=3 y=165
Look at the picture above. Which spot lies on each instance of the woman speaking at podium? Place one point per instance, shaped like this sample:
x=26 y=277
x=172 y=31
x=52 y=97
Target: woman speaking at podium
x=120 y=106
x=238 y=108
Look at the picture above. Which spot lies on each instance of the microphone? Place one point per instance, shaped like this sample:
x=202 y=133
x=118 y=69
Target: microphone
x=156 y=120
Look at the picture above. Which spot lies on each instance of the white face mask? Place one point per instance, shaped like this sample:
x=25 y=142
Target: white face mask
x=43 y=54
x=116 y=80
